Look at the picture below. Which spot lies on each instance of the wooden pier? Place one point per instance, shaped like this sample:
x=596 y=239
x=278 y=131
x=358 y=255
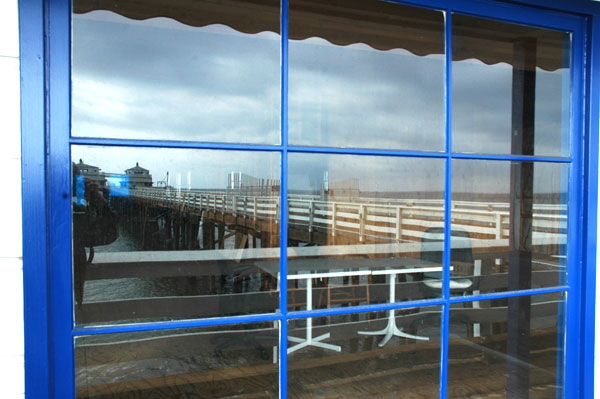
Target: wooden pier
x=208 y=235
x=324 y=222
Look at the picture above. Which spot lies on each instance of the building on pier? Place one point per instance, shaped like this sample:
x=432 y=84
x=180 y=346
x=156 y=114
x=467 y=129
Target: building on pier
x=138 y=177
x=135 y=177
x=92 y=173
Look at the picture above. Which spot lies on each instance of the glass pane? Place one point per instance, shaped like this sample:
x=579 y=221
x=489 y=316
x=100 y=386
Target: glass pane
x=510 y=88
x=507 y=348
x=355 y=225
x=178 y=70
x=175 y=233
x=366 y=74
x=221 y=362
x=347 y=357
x=509 y=225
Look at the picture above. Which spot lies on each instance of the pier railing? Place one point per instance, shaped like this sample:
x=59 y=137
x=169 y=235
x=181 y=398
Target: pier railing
x=368 y=219
x=201 y=264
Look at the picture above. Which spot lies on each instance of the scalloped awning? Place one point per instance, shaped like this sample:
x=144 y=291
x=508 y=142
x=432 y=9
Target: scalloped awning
x=380 y=24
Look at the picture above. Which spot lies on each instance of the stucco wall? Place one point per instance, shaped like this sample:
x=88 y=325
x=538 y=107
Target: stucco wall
x=11 y=250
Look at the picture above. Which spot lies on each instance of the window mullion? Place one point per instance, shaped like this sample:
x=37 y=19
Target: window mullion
x=283 y=206
x=445 y=327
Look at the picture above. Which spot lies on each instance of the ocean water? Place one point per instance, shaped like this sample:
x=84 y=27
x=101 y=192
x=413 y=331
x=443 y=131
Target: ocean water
x=146 y=287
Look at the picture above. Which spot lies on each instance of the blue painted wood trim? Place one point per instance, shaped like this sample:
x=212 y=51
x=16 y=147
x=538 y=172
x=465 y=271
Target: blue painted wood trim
x=574 y=6
x=40 y=210
x=283 y=219
x=445 y=321
x=571 y=341
x=172 y=325
x=58 y=57
x=310 y=150
x=590 y=211
x=35 y=227
x=570 y=6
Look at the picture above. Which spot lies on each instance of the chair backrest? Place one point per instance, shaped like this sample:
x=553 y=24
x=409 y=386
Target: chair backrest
x=461 y=247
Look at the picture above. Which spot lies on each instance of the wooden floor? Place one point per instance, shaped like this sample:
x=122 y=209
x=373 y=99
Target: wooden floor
x=182 y=367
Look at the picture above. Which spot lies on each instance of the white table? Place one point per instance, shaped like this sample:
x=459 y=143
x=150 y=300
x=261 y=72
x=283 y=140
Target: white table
x=309 y=340
x=373 y=266
x=391 y=329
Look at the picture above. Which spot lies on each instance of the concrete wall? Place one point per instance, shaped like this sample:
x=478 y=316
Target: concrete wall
x=11 y=250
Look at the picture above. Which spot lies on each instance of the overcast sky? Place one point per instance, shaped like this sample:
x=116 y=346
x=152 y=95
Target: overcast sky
x=159 y=79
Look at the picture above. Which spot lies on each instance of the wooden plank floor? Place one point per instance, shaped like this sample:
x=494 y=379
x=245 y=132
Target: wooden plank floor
x=402 y=369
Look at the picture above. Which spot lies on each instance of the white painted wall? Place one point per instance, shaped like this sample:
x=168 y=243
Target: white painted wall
x=11 y=250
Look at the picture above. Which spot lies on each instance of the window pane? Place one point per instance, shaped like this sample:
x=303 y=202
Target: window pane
x=366 y=74
x=207 y=363
x=507 y=348
x=189 y=232
x=355 y=225
x=353 y=364
x=180 y=70
x=509 y=225
x=511 y=90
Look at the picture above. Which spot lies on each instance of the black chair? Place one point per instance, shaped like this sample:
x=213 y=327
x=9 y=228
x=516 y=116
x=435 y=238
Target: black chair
x=461 y=258
x=462 y=262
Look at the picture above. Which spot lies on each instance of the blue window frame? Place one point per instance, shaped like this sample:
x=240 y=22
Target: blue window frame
x=46 y=121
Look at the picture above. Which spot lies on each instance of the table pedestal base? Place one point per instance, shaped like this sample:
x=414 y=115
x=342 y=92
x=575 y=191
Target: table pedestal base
x=390 y=331
x=309 y=341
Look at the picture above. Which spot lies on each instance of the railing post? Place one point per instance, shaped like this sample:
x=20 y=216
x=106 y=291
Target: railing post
x=361 y=219
x=476 y=304
x=498 y=225
x=311 y=210
x=398 y=223
x=498 y=261
x=255 y=208
x=333 y=218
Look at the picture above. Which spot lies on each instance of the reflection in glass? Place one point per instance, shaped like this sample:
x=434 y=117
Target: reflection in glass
x=366 y=74
x=180 y=70
x=192 y=363
x=355 y=225
x=189 y=233
x=362 y=367
x=509 y=224
x=510 y=88
x=507 y=348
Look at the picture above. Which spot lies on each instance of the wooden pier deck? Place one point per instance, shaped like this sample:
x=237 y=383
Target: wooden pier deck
x=201 y=363
x=191 y=366
x=368 y=220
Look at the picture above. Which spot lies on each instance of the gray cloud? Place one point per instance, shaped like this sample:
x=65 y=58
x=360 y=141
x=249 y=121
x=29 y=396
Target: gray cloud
x=159 y=79
x=482 y=109
x=374 y=174
x=207 y=168
x=172 y=81
x=341 y=95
